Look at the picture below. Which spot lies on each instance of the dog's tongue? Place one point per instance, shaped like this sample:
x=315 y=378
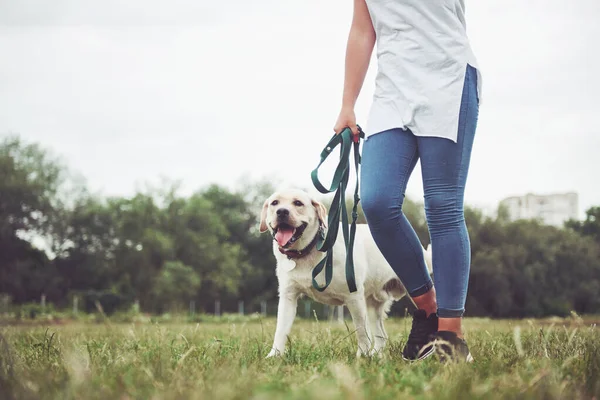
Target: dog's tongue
x=283 y=235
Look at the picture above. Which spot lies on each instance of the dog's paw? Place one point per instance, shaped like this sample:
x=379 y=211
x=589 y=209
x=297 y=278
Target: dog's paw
x=371 y=353
x=376 y=353
x=362 y=353
x=273 y=353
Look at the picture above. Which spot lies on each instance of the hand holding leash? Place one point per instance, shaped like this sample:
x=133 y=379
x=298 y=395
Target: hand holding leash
x=347 y=119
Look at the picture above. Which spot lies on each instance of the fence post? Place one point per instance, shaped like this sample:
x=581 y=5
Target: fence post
x=43 y=303
x=217 y=308
x=329 y=312
x=340 y=314
x=192 y=308
x=263 y=308
x=307 y=309
x=75 y=305
x=5 y=301
x=241 y=307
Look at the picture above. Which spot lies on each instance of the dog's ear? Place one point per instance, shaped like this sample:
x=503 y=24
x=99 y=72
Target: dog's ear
x=263 y=218
x=321 y=212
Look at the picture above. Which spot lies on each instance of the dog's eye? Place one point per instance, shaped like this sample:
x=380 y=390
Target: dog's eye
x=298 y=203
x=274 y=202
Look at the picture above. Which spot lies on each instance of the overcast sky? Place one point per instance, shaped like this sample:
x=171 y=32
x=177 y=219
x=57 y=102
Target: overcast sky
x=207 y=91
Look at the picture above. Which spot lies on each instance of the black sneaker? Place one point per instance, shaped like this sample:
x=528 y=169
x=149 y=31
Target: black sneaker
x=418 y=346
x=449 y=347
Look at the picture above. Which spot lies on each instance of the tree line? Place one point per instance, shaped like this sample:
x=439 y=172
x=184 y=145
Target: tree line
x=161 y=249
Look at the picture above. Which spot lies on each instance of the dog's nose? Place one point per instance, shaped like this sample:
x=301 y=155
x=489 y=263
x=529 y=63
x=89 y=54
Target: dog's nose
x=283 y=213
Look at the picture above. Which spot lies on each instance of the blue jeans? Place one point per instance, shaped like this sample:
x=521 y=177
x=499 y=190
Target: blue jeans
x=388 y=160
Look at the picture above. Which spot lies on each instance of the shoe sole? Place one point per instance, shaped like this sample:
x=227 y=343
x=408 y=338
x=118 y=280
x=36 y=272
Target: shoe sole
x=423 y=356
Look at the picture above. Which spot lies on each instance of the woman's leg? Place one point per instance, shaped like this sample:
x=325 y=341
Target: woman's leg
x=445 y=167
x=387 y=162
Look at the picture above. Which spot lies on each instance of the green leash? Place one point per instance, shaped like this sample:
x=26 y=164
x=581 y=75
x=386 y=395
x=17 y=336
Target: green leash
x=338 y=184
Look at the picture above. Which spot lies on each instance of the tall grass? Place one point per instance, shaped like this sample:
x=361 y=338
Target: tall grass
x=213 y=360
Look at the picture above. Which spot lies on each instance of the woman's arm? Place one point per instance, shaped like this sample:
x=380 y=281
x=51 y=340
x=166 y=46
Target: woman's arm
x=361 y=41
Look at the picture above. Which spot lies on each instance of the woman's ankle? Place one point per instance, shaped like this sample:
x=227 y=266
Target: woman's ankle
x=451 y=325
x=427 y=301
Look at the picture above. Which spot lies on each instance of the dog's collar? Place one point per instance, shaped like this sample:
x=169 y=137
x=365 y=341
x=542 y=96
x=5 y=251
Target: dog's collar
x=291 y=253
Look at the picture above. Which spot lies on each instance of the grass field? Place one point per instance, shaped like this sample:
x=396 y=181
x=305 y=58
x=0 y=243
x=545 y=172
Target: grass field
x=542 y=359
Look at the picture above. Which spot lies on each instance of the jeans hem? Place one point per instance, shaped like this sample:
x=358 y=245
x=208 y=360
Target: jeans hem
x=446 y=313
x=422 y=290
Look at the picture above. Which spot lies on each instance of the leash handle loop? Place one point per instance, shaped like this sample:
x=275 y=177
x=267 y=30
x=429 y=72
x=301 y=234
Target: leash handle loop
x=338 y=184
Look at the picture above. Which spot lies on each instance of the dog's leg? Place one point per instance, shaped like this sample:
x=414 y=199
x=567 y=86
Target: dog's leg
x=357 y=306
x=376 y=310
x=286 y=312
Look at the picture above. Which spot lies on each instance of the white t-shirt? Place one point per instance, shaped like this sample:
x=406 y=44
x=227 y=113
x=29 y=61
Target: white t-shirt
x=422 y=53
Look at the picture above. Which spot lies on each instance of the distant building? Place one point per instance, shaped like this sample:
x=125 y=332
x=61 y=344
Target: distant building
x=552 y=209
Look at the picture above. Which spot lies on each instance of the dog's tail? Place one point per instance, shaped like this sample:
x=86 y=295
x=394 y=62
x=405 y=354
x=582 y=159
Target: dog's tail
x=429 y=258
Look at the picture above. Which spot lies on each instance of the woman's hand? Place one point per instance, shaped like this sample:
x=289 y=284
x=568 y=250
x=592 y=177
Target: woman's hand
x=346 y=119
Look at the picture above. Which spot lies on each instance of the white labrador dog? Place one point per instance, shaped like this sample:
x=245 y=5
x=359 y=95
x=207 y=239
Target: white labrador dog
x=294 y=220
